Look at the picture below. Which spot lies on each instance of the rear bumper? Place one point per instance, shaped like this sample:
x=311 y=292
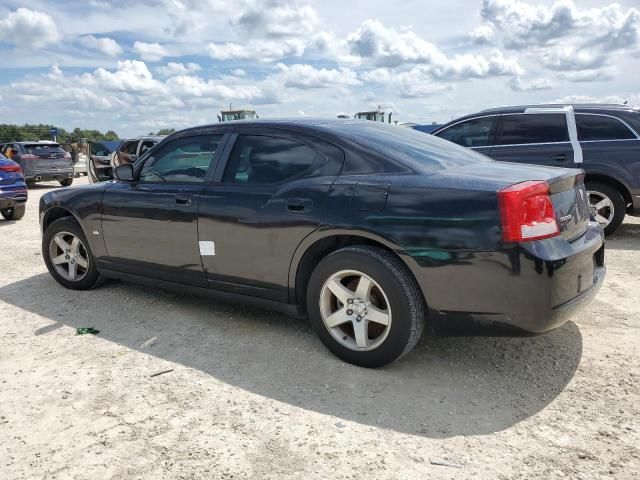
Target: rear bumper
x=48 y=175
x=12 y=198
x=534 y=287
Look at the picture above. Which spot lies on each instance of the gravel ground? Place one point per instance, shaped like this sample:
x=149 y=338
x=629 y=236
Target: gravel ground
x=253 y=394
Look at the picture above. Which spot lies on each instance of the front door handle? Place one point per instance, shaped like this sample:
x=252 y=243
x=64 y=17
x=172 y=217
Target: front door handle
x=299 y=205
x=561 y=157
x=183 y=200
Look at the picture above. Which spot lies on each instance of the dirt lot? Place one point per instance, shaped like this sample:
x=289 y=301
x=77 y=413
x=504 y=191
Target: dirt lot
x=254 y=394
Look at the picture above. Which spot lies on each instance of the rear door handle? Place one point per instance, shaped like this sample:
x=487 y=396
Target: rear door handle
x=559 y=157
x=299 y=205
x=183 y=200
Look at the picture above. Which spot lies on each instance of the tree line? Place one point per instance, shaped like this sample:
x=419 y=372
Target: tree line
x=30 y=133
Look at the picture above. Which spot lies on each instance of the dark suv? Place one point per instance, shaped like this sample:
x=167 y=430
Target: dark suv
x=41 y=161
x=601 y=139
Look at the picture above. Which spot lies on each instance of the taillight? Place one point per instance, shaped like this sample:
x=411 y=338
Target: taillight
x=11 y=168
x=67 y=155
x=527 y=212
x=28 y=156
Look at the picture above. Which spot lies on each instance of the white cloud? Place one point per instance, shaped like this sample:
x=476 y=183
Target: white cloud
x=277 y=19
x=518 y=85
x=596 y=75
x=483 y=34
x=173 y=69
x=414 y=83
x=29 y=28
x=263 y=51
x=106 y=45
x=388 y=48
x=151 y=52
x=306 y=76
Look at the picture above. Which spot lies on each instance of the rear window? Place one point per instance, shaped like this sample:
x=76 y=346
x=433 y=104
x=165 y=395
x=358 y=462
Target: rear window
x=43 y=149
x=408 y=145
x=598 y=127
x=533 y=128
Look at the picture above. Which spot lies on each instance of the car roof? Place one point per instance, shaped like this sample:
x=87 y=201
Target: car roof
x=578 y=107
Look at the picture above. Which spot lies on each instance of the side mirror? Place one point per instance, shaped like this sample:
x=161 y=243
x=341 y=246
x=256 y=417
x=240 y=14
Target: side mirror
x=124 y=172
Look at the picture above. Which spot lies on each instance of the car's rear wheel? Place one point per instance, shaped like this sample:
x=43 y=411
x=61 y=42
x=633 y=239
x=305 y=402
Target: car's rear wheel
x=365 y=306
x=14 y=213
x=68 y=256
x=65 y=182
x=607 y=205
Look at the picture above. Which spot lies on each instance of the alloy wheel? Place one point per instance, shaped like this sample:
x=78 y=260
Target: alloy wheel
x=69 y=256
x=355 y=310
x=601 y=207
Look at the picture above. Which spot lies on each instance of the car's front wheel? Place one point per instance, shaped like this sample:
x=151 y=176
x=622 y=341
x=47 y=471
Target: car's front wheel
x=14 y=213
x=365 y=306
x=68 y=256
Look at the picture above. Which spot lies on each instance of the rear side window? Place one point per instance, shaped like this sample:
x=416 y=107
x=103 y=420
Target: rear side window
x=597 y=127
x=533 y=128
x=43 y=149
x=470 y=133
x=182 y=160
x=259 y=159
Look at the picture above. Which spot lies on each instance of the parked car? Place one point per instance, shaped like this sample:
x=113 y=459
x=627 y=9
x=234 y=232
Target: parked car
x=13 y=190
x=100 y=160
x=130 y=150
x=41 y=161
x=601 y=139
x=367 y=228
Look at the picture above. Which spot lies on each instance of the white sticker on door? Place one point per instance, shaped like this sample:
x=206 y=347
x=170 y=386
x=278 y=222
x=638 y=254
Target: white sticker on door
x=207 y=248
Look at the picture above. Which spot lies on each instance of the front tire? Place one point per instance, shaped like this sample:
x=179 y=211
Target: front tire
x=68 y=256
x=66 y=182
x=365 y=306
x=607 y=205
x=14 y=213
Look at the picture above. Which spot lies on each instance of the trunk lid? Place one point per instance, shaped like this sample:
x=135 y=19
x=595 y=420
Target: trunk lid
x=566 y=188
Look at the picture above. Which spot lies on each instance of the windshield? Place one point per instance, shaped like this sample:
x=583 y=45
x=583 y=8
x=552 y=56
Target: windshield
x=416 y=149
x=43 y=149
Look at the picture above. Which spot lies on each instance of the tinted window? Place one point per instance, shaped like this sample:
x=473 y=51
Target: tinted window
x=257 y=159
x=43 y=149
x=99 y=150
x=470 y=133
x=416 y=149
x=533 y=128
x=130 y=147
x=594 y=127
x=182 y=160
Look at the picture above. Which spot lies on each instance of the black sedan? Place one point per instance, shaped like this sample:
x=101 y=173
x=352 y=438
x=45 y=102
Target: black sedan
x=370 y=230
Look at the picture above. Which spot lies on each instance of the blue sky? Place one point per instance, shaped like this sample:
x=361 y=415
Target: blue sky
x=137 y=66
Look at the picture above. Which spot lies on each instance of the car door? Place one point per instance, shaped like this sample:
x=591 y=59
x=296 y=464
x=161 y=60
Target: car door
x=475 y=133
x=538 y=138
x=267 y=197
x=99 y=166
x=150 y=226
x=127 y=152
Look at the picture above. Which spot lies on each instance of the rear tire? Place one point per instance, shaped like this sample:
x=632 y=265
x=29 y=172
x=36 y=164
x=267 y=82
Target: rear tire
x=614 y=208
x=66 y=182
x=14 y=213
x=67 y=230
x=354 y=328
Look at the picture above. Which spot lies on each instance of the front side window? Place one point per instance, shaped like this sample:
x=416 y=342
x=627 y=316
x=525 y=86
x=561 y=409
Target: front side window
x=597 y=127
x=533 y=128
x=182 y=160
x=129 y=147
x=470 y=133
x=258 y=159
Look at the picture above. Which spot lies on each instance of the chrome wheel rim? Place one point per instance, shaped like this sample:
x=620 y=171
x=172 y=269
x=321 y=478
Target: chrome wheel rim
x=69 y=256
x=355 y=310
x=602 y=208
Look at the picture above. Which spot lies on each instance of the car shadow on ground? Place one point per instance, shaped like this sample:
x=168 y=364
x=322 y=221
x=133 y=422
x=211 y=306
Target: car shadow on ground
x=447 y=386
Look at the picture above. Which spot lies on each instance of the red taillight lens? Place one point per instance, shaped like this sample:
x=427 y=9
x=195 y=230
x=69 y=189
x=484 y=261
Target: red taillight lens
x=67 y=155
x=527 y=212
x=28 y=156
x=11 y=168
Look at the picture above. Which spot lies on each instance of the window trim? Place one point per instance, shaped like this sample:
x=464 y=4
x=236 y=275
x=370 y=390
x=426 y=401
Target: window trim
x=637 y=137
x=213 y=164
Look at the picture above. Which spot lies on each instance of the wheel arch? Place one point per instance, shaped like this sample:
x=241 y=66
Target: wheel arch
x=55 y=213
x=609 y=180
x=318 y=245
